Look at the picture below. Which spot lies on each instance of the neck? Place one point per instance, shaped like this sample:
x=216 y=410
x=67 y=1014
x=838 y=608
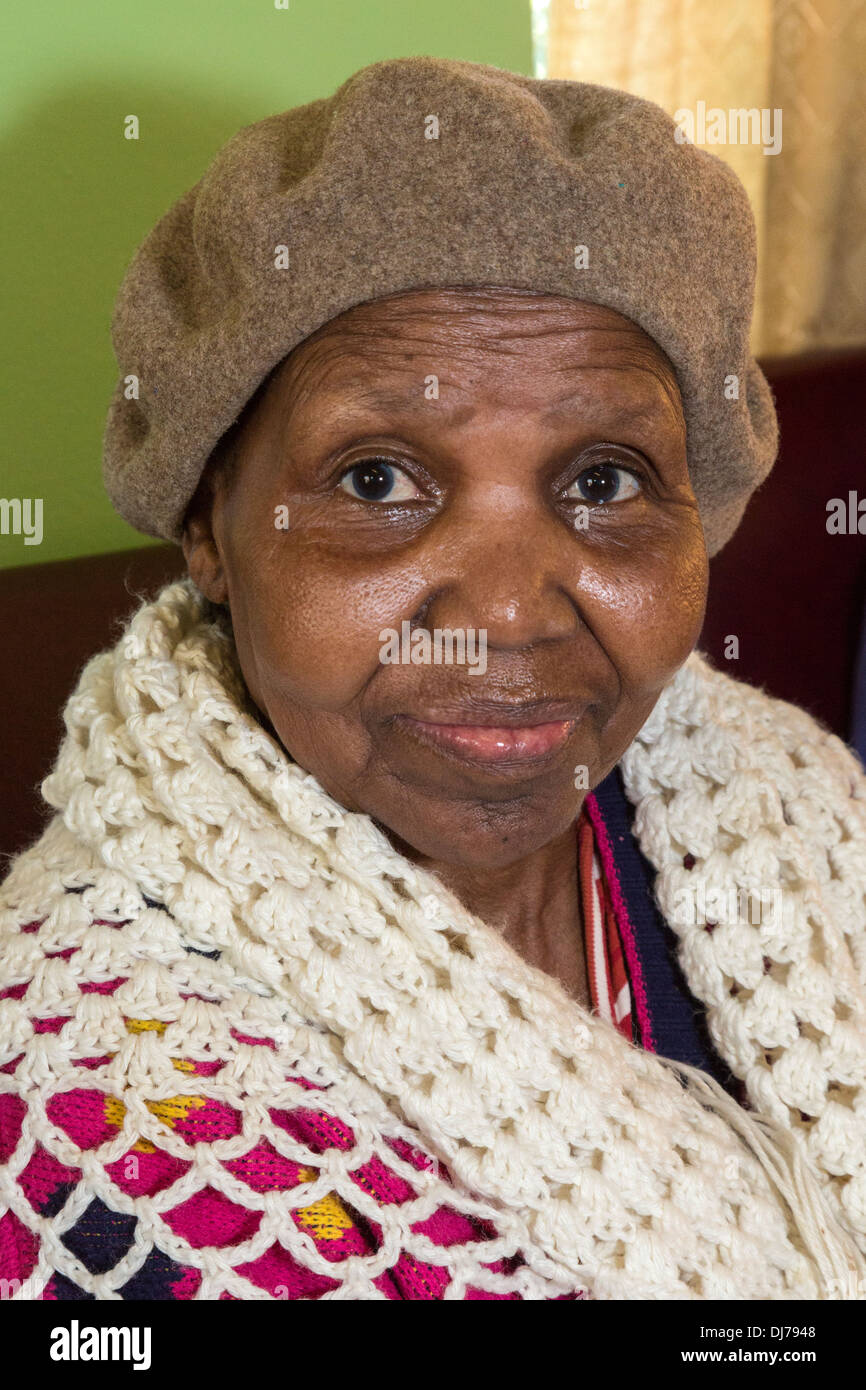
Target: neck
x=534 y=904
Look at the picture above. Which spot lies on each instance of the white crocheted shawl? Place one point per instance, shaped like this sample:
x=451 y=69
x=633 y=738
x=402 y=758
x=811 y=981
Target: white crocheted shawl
x=609 y=1169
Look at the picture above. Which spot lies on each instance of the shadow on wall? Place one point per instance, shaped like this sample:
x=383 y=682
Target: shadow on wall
x=78 y=200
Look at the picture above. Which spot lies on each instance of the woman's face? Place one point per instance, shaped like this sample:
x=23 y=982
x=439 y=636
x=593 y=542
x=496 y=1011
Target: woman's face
x=507 y=466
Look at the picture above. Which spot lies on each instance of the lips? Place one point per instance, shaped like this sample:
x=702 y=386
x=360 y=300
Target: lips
x=497 y=731
x=489 y=743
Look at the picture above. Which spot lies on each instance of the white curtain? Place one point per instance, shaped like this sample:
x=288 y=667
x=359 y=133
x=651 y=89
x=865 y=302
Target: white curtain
x=803 y=57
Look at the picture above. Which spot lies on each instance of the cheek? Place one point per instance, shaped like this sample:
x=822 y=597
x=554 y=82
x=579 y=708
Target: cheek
x=648 y=602
x=311 y=622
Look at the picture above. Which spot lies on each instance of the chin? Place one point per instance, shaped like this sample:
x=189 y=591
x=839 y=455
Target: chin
x=483 y=835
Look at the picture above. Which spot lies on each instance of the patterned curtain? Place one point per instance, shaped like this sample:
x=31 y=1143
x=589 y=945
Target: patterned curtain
x=804 y=58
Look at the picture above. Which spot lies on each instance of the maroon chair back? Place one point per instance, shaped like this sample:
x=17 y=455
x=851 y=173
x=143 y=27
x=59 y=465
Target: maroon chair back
x=789 y=590
x=54 y=618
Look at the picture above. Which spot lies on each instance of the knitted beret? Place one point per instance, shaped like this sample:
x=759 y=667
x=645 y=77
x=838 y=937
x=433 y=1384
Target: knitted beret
x=426 y=172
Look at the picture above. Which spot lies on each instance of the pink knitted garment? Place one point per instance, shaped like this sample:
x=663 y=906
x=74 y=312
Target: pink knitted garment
x=101 y=1236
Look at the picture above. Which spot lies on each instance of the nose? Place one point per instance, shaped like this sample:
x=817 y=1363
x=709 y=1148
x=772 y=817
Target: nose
x=510 y=565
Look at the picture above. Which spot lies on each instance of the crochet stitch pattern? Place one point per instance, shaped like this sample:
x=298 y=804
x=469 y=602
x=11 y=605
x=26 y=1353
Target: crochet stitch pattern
x=741 y=790
x=335 y=1081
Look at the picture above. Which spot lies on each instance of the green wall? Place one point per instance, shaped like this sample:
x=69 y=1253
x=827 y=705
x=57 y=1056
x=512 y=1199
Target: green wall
x=79 y=198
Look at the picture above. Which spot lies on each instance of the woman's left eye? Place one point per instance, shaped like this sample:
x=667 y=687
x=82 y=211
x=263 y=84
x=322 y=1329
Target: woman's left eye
x=604 y=482
x=377 y=480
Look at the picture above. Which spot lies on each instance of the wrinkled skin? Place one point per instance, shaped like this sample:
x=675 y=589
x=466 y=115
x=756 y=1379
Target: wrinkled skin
x=475 y=526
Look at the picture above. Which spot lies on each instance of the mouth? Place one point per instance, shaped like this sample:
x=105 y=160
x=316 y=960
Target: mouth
x=497 y=733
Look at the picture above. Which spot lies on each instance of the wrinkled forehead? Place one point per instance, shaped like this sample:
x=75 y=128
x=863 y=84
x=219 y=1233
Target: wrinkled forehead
x=495 y=337
x=479 y=314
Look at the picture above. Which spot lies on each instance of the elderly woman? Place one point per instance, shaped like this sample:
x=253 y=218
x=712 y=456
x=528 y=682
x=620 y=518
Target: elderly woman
x=422 y=917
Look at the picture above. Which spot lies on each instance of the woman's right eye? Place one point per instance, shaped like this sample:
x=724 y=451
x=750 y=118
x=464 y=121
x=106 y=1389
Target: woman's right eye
x=377 y=480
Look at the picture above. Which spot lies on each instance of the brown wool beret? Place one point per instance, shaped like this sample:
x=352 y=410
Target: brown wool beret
x=364 y=203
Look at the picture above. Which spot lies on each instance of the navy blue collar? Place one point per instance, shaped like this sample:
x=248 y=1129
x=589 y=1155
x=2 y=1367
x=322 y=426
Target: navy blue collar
x=672 y=1021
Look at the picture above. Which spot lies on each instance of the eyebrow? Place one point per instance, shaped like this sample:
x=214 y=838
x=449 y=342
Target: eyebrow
x=399 y=401
x=626 y=412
